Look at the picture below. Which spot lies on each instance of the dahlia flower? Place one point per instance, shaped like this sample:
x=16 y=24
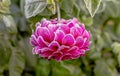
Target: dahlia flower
x=64 y=40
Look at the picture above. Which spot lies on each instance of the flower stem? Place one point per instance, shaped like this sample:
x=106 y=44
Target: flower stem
x=51 y=69
x=58 y=10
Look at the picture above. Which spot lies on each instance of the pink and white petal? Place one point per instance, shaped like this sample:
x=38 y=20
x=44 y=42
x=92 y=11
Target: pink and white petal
x=75 y=57
x=74 y=51
x=57 y=56
x=70 y=24
x=86 y=34
x=45 y=23
x=86 y=45
x=46 y=52
x=54 y=21
x=59 y=34
x=54 y=45
x=82 y=26
x=65 y=28
x=82 y=52
x=66 y=57
x=44 y=32
x=46 y=49
x=79 y=42
x=52 y=28
x=63 y=21
x=63 y=49
x=33 y=40
x=42 y=43
x=75 y=21
x=75 y=31
x=36 y=50
x=38 y=24
x=68 y=40
x=80 y=29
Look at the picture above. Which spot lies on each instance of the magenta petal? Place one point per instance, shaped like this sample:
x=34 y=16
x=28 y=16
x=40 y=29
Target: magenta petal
x=44 y=32
x=75 y=31
x=75 y=21
x=57 y=56
x=52 y=28
x=59 y=34
x=70 y=24
x=68 y=40
x=54 y=45
x=46 y=52
x=82 y=52
x=38 y=24
x=66 y=57
x=63 y=49
x=74 y=51
x=45 y=22
x=33 y=40
x=86 y=45
x=41 y=42
x=86 y=34
x=54 y=21
x=65 y=28
x=79 y=42
x=36 y=50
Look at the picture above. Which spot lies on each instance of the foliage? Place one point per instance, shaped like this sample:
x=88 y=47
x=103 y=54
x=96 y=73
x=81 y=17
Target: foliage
x=16 y=58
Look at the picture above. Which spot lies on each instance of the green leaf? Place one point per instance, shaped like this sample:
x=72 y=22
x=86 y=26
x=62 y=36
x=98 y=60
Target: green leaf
x=22 y=4
x=10 y=23
x=67 y=6
x=61 y=70
x=50 y=2
x=119 y=58
x=87 y=20
x=30 y=58
x=100 y=43
x=112 y=11
x=42 y=68
x=116 y=50
x=17 y=62
x=34 y=7
x=116 y=47
x=8 y=2
x=102 y=69
x=92 y=6
x=76 y=11
x=4 y=6
x=51 y=6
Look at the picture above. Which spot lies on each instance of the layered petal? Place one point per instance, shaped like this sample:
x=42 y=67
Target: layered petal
x=46 y=52
x=59 y=34
x=33 y=40
x=63 y=49
x=65 y=28
x=36 y=50
x=54 y=45
x=45 y=23
x=65 y=40
x=68 y=40
x=44 y=32
x=41 y=42
x=79 y=42
x=75 y=32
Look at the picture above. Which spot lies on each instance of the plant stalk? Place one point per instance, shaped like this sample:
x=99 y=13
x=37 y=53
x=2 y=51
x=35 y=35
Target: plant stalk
x=58 y=10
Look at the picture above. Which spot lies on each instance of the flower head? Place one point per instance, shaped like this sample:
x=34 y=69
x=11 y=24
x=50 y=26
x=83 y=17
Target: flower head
x=65 y=40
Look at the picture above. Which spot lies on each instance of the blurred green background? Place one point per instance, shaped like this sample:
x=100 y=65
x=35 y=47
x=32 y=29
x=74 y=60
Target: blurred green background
x=103 y=58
